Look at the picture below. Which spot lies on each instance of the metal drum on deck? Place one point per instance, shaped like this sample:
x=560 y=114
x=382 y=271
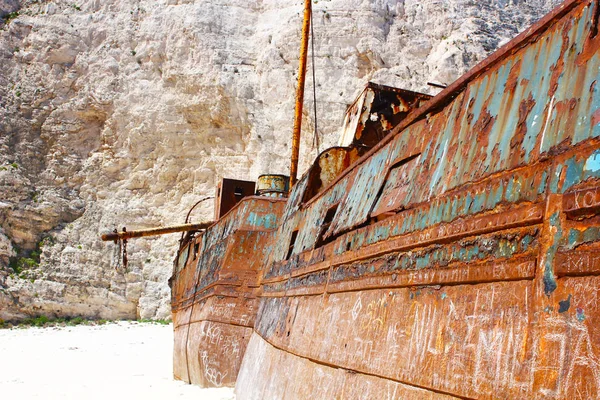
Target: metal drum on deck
x=273 y=185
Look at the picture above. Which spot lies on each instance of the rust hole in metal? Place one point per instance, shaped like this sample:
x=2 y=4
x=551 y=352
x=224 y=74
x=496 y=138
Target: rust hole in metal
x=292 y=243
x=196 y=248
x=325 y=226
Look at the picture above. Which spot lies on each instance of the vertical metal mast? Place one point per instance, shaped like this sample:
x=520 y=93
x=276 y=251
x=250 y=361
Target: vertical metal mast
x=300 y=93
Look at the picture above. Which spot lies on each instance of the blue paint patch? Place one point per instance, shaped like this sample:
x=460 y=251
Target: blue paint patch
x=555 y=179
x=573 y=175
x=444 y=295
x=267 y=221
x=592 y=164
x=454 y=207
x=526 y=241
x=543 y=182
x=510 y=191
x=564 y=305
x=573 y=238
x=447 y=210
x=478 y=202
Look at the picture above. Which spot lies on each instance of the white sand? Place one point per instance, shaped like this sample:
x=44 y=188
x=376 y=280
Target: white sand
x=116 y=361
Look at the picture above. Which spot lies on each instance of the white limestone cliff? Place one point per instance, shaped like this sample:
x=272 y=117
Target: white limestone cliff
x=125 y=113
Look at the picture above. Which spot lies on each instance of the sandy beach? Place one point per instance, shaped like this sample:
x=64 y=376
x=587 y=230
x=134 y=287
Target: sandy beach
x=124 y=360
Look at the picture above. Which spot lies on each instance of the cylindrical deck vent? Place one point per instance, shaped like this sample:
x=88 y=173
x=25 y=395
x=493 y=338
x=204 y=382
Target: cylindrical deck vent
x=273 y=185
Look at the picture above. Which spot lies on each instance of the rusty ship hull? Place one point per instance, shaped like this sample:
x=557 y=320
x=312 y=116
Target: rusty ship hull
x=459 y=257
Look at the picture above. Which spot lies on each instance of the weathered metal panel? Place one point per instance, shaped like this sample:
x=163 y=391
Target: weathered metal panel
x=307 y=224
x=250 y=213
x=327 y=167
x=229 y=192
x=229 y=310
x=472 y=343
x=354 y=117
x=374 y=113
x=180 y=369
x=396 y=189
x=304 y=379
x=215 y=352
x=214 y=292
x=356 y=205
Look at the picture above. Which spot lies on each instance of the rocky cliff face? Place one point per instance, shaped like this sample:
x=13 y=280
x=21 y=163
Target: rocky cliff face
x=126 y=112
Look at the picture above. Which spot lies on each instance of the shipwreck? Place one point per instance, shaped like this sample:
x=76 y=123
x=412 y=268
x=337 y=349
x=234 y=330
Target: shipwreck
x=449 y=247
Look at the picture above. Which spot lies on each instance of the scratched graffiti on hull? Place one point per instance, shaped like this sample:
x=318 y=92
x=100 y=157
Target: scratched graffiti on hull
x=456 y=255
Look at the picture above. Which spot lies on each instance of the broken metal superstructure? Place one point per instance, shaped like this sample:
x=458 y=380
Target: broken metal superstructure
x=456 y=257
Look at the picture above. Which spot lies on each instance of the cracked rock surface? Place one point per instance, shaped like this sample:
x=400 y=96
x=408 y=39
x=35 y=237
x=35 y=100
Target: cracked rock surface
x=125 y=113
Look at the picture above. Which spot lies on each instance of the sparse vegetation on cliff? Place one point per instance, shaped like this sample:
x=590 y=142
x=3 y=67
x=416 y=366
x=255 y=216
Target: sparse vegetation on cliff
x=44 y=321
x=10 y=16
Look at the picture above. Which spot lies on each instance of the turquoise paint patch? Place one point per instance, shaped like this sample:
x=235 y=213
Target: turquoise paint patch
x=526 y=242
x=454 y=209
x=479 y=202
x=555 y=178
x=446 y=210
x=537 y=88
x=378 y=234
x=512 y=192
x=493 y=197
x=472 y=252
x=573 y=175
x=423 y=262
x=543 y=182
x=592 y=164
x=267 y=221
x=591 y=235
x=439 y=213
x=573 y=238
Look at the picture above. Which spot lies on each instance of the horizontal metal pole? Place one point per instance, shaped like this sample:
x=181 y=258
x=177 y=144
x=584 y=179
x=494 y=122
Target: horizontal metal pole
x=155 y=231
